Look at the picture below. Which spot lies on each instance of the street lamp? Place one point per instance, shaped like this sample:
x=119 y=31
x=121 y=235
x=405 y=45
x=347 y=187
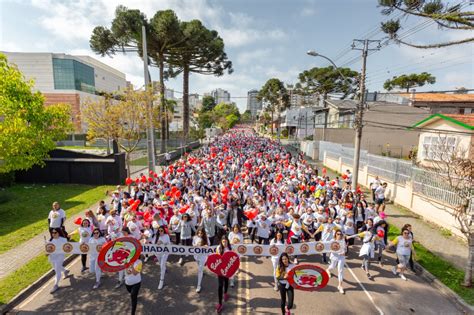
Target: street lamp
x=315 y=54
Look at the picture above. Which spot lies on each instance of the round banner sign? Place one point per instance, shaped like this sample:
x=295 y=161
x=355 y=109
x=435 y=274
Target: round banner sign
x=308 y=277
x=119 y=254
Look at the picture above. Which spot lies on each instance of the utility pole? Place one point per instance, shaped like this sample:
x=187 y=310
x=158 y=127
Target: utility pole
x=150 y=134
x=358 y=121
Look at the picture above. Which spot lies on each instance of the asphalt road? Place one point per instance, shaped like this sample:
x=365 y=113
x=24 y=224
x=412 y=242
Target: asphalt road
x=253 y=293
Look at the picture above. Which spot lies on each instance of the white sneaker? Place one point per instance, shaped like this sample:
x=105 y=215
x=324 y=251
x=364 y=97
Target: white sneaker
x=160 y=286
x=180 y=261
x=341 y=290
x=54 y=289
x=66 y=273
x=296 y=261
x=119 y=284
x=275 y=287
x=329 y=273
x=232 y=284
x=96 y=285
x=198 y=289
x=403 y=277
x=146 y=258
x=394 y=271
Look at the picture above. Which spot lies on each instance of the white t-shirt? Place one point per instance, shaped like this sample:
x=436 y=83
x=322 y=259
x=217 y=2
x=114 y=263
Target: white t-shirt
x=93 y=242
x=263 y=228
x=380 y=192
x=236 y=238
x=130 y=278
x=84 y=234
x=58 y=242
x=404 y=246
x=56 y=217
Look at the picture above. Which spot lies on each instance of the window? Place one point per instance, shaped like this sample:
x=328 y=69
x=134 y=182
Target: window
x=70 y=74
x=438 y=148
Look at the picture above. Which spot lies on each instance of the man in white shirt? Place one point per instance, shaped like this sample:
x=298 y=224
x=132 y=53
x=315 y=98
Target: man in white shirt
x=374 y=185
x=380 y=194
x=56 y=219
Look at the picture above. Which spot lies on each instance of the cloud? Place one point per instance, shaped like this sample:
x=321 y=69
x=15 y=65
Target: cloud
x=308 y=12
x=76 y=20
x=253 y=56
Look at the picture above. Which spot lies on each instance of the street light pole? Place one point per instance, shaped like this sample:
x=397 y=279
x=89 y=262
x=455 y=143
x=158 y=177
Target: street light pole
x=358 y=121
x=315 y=54
x=150 y=133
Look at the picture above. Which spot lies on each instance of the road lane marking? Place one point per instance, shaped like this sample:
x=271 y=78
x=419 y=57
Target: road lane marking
x=365 y=290
x=48 y=283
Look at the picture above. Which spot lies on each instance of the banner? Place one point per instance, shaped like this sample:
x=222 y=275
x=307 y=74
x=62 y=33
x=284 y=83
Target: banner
x=310 y=248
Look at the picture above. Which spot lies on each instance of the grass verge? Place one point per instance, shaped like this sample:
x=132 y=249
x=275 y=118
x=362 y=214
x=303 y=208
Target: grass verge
x=25 y=214
x=20 y=279
x=449 y=275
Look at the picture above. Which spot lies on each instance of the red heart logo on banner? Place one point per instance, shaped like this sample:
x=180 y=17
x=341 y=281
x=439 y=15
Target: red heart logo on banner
x=223 y=265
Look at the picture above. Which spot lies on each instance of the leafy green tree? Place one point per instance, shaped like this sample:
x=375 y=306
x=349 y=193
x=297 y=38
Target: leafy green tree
x=205 y=120
x=28 y=129
x=275 y=97
x=324 y=81
x=201 y=52
x=246 y=117
x=408 y=81
x=208 y=103
x=445 y=15
x=125 y=35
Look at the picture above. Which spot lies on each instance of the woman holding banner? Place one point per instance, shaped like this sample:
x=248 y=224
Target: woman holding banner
x=223 y=282
x=96 y=240
x=57 y=260
x=338 y=258
x=162 y=238
x=284 y=266
x=278 y=240
x=200 y=239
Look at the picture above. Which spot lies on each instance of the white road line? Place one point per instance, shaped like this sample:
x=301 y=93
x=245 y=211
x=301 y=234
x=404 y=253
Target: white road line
x=365 y=290
x=28 y=300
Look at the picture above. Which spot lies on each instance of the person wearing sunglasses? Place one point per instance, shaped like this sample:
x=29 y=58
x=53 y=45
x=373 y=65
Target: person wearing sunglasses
x=57 y=259
x=162 y=238
x=96 y=240
x=337 y=259
x=404 y=244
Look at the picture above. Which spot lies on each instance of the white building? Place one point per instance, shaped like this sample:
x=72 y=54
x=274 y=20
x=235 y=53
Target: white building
x=221 y=96
x=299 y=121
x=63 y=78
x=253 y=104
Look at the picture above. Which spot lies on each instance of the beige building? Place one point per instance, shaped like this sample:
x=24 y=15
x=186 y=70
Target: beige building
x=385 y=129
x=444 y=134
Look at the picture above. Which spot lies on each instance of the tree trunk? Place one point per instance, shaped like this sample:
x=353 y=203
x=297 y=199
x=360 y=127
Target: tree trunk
x=127 y=159
x=186 y=101
x=163 y=137
x=115 y=147
x=469 y=264
x=271 y=124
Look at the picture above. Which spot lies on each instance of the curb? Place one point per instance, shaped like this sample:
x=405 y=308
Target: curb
x=33 y=287
x=450 y=294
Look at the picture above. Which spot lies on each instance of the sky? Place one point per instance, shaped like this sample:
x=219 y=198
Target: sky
x=263 y=38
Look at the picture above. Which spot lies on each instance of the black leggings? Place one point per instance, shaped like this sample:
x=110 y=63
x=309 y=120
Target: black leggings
x=265 y=241
x=283 y=293
x=251 y=232
x=83 y=260
x=223 y=287
x=133 y=290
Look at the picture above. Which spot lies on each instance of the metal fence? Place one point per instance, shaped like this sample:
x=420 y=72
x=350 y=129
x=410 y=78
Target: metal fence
x=425 y=182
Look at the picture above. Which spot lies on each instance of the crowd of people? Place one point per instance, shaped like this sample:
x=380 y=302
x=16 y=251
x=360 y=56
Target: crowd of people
x=239 y=188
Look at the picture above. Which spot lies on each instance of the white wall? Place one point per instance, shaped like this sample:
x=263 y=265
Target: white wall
x=402 y=194
x=38 y=66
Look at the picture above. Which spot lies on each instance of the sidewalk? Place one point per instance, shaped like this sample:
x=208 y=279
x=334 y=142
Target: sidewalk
x=430 y=236
x=22 y=254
